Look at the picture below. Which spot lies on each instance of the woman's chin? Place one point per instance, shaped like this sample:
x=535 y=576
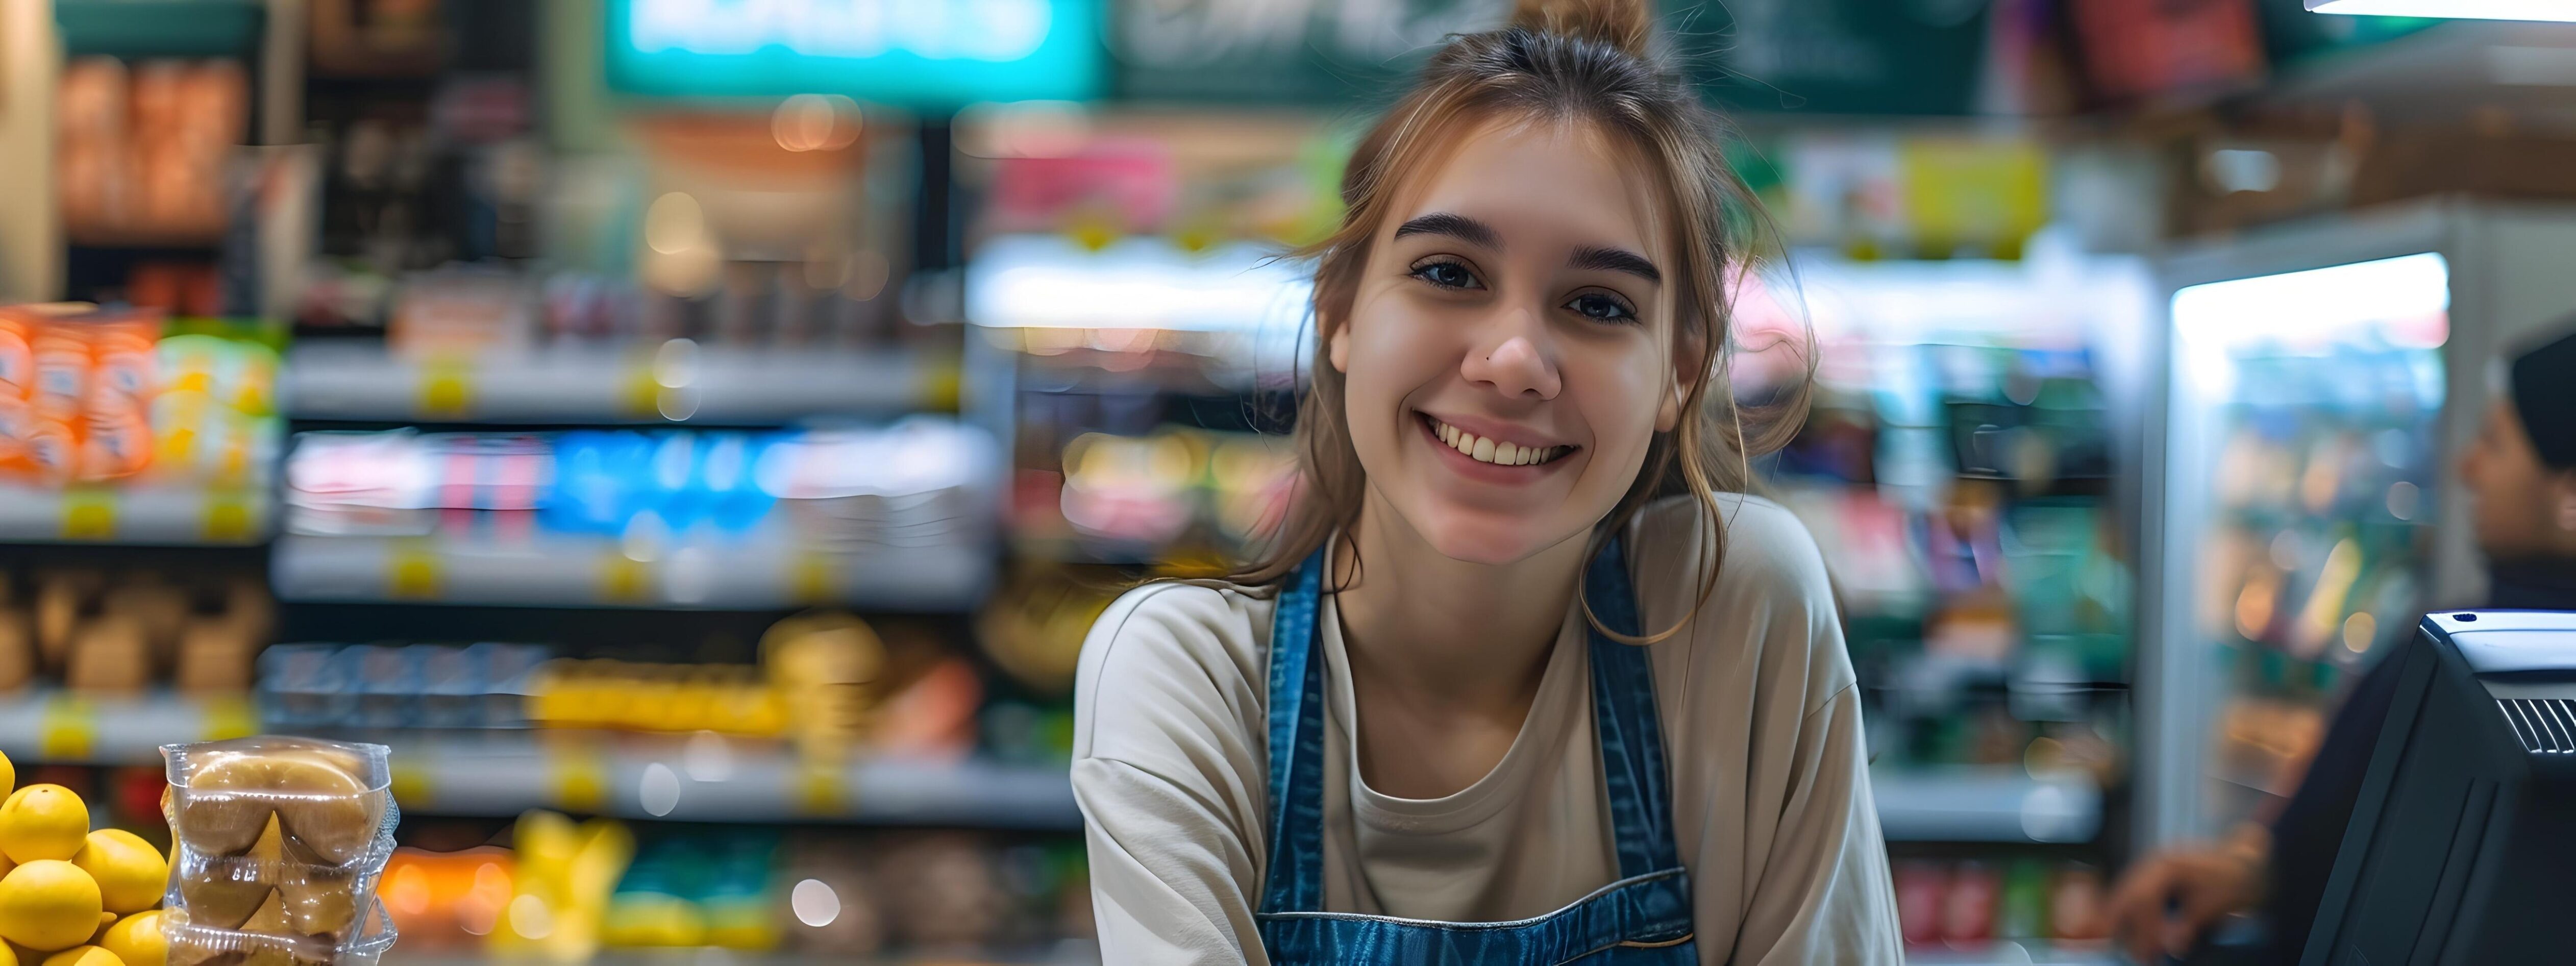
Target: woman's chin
x=1480 y=538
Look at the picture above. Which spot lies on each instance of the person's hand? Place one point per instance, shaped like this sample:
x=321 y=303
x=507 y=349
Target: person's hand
x=2201 y=883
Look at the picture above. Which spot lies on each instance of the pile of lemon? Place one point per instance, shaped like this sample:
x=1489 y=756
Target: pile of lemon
x=70 y=896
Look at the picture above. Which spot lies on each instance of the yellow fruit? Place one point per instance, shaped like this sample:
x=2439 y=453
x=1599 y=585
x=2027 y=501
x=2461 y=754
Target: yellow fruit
x=130 y=872
x=83 y=956
x=8 y=776
x=43 y=822
x=137 y=941
x=48 y=904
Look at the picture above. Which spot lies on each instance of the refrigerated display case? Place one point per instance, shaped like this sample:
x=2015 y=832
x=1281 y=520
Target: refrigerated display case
x=1965 y=471
x=2321 y=381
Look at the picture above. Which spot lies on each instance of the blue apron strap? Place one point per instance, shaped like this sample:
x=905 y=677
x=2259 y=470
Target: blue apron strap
x=1623 y=710
x=1294 y=882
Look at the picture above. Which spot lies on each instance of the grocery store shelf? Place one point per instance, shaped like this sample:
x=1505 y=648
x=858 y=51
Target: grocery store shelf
x=2002 y=804
x=676 y=382
x=146 y=514
x=518 y=770
x=2007 y=952
x=62 y=727
x=160 y=28
x=1070 y=952
x=505 y=778
x=561 y=571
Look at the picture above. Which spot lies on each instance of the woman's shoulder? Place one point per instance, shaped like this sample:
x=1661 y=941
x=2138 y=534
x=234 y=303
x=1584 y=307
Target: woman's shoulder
x=1766 y=552
x=1768 y=621
x=1169 y=645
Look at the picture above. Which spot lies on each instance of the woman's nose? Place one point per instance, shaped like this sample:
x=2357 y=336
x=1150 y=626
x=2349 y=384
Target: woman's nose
x=1514 y=363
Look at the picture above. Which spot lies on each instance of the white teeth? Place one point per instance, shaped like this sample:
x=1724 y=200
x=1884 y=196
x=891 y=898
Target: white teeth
x=1487 y=450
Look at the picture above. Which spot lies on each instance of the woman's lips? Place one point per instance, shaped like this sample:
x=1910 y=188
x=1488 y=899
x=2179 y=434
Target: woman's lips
x=1484 y=457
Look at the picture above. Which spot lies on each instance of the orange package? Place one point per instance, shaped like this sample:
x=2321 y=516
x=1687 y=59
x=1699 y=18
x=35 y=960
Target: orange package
x=116 y=416
x=60 y=350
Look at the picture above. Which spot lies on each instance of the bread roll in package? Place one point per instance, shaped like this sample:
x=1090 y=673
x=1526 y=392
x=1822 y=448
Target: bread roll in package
x=279 y=844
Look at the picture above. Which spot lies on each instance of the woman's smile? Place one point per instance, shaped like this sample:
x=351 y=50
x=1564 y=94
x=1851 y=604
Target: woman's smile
x=1492 y=452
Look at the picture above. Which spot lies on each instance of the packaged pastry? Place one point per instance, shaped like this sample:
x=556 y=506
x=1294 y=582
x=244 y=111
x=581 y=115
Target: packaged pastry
x=279 y=843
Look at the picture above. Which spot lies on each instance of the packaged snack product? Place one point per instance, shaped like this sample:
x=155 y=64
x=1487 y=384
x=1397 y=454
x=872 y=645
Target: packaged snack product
x=280 y=841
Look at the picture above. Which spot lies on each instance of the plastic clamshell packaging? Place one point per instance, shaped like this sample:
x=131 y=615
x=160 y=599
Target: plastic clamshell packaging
x=194 y=944
x=280 y=841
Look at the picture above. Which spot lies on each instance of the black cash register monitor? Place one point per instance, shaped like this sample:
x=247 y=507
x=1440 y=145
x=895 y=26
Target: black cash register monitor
x=2462 y=848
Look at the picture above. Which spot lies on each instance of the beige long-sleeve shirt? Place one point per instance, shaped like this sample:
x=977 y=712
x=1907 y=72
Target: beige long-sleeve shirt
x=1762 y=732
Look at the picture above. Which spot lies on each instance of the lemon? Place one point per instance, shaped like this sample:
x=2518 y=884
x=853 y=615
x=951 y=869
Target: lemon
x=137 y=940
x=83 y=956
x=8 y=776
x=48 y=904
x=130 y=872
x=43 y=822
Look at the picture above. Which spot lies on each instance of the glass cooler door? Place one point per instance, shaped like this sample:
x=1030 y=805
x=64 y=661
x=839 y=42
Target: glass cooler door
x=2301 y=475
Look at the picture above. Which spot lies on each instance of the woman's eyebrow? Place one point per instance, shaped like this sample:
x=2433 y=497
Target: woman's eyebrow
x=1460 y=227
x=1593 y=258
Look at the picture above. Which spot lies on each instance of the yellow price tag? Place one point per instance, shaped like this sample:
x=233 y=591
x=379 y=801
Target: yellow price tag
x=446 y=387
x=412 y=571
x=822 y=789
x=89 y=513
x=814 y=578
x=67 y=730
x=228 y=516
x=639 y=394
x=942 y=383
x=580 y=780
x=230 y=717
x=411 y=782
x=622 y=579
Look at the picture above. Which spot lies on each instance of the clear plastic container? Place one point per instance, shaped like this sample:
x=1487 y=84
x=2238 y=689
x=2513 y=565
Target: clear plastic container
x=196 y=944
x=332 y=799
x=280 y=839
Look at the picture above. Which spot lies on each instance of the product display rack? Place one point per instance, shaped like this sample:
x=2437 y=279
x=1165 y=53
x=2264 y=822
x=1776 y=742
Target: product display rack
x=2323 y=378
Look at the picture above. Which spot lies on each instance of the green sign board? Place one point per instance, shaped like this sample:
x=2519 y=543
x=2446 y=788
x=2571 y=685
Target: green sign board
x=1807 y=56
x=927 y=54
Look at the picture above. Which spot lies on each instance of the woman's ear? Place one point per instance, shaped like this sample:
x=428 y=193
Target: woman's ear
x=1690 y=365
x=1337 y=347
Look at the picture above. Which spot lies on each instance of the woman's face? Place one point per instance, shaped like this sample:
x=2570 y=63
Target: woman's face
x=1509 y=349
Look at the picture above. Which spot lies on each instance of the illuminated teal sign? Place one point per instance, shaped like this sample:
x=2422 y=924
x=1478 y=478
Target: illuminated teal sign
x=910 y=53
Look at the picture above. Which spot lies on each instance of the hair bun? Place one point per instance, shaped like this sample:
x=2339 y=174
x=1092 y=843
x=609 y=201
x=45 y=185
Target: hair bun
x=1623 y=24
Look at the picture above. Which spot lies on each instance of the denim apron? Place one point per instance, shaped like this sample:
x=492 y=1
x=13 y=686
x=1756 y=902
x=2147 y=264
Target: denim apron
x=1644 y=918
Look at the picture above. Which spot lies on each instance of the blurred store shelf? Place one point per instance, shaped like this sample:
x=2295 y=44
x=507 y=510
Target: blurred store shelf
x=160 y=28
x=2014 y=953
x=571 y=571
x=147 y=514
x=2001 y=804
x=1072 y=952
x=747 y=785
x=63 y=727
x=673 y=382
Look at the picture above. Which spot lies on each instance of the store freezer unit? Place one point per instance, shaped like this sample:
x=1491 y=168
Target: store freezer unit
x=2302 y=507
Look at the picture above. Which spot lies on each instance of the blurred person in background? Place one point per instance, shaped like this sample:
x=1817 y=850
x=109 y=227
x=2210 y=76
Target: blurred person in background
x=2521 y=475
x=1438 y=722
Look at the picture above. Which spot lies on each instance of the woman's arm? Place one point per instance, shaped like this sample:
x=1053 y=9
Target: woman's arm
x=1169 y=779
x=1824 y=895
x=1771 y=772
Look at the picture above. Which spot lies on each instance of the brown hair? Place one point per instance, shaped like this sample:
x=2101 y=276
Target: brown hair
x=1580 y=61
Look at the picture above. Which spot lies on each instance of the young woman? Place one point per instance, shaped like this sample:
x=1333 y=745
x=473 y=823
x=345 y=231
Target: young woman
x=1517 y=683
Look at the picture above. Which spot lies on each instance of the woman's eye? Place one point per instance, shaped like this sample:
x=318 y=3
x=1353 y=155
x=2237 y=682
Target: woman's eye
x=1594 y=305
x=1446 y=275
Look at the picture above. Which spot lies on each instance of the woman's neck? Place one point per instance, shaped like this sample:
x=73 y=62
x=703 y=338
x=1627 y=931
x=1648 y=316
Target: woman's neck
x=1465 y=637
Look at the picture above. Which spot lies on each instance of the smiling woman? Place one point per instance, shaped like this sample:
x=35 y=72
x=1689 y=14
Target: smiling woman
x=1526 y=677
